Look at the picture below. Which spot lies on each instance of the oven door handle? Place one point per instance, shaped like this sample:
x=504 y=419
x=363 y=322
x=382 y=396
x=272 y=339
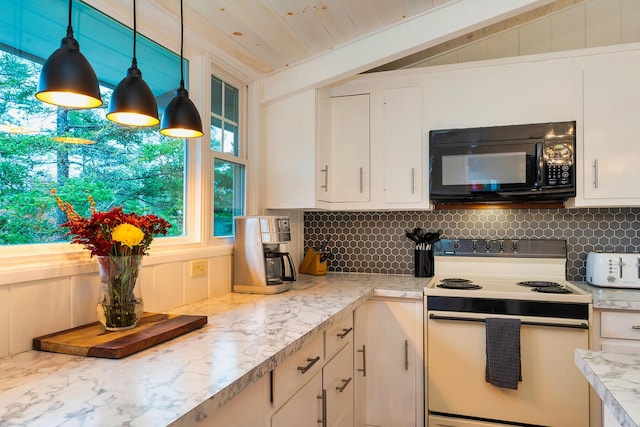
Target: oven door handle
x=524 y=322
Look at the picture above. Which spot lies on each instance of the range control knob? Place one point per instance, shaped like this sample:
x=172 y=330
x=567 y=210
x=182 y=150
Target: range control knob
x=456 y=245
x=611 y=279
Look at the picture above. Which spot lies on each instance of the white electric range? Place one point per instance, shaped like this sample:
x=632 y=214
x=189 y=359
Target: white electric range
x=480 y=279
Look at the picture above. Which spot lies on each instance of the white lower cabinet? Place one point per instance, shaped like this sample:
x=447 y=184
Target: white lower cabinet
x=619 y=332
x=305 y=407
x=314 y=387
x=389 y=366
x=235 y=413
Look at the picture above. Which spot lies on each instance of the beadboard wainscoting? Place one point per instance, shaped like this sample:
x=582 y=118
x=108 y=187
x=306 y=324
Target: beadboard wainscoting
x=32 y=308
x=374 y=242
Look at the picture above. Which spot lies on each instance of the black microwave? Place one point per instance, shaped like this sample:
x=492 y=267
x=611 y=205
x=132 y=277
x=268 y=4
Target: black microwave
x=516 y=163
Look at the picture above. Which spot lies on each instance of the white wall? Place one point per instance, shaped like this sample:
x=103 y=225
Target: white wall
x=31 y=308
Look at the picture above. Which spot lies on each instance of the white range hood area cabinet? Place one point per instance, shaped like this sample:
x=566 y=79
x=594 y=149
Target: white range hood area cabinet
x=311 y=137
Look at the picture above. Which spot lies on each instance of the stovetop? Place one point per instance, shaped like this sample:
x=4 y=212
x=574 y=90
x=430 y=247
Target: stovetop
x=503 y=269
x=506 y=288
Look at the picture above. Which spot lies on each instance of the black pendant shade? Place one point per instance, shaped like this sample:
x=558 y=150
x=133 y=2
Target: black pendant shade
x=181 y=118
x=66 y=78
x=132 y=102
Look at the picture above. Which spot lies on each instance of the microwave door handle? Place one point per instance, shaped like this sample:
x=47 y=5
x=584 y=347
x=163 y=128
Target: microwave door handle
x=541 y=166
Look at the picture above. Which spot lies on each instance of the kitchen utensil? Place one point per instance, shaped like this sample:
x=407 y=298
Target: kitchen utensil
x=324 y=244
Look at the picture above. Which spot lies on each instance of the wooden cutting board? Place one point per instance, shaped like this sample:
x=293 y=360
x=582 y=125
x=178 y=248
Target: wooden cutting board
x=93 y=340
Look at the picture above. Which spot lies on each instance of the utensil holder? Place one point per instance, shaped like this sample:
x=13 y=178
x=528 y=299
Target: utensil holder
x=311 y=263
x=423 y=263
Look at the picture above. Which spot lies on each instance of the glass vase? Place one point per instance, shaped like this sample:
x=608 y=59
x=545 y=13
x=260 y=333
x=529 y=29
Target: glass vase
x=119 y=298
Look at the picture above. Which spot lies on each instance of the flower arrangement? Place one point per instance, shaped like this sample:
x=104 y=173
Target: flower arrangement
x=119 y=240
x=112 y=232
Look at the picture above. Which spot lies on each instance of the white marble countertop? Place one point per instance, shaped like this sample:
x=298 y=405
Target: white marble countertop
x=184 y=379
x=616 y=379
x=612 y=298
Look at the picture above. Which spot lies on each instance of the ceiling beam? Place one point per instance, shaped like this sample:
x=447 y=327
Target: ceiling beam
x=428 y=29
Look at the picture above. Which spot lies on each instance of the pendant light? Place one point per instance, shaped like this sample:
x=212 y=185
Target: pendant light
x=67 y=79
x=132 y=102
x=181 y=118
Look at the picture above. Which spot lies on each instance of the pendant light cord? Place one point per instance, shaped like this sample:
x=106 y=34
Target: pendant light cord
x=134 y=61
x=69 y=29
x=181 y=46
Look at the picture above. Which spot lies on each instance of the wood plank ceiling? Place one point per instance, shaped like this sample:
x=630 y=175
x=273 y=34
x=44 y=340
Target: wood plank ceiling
x=278 y=33
x=282 y=32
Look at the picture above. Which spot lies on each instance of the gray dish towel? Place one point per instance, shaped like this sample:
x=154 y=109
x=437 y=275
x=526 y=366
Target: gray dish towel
x=503 y=352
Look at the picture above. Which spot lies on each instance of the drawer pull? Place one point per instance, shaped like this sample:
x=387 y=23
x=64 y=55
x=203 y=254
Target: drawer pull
x=344 y=333
x=304 y=369
x=344 y=385
x=323 y=421
x=637 y=327
x=364 y=361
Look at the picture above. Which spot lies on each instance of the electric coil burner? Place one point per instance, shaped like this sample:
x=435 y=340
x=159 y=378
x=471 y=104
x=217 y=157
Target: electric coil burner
x=455 y=283
x=545 y=287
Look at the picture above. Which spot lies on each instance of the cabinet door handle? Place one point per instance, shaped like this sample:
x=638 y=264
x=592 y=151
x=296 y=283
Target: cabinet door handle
x=344 y=385
x=364 y=361
x=304 y=369
x=323 y=397
x=325 y=170
x=413 y=180
x=406 y=355
x=344 y=333
x=361 y=180
x=595 y=173
x=637 y=327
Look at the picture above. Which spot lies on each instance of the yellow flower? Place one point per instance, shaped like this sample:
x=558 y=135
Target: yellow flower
x=127 y=234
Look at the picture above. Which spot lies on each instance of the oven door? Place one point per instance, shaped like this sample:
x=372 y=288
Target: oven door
x=552 y=392
x=464 y=171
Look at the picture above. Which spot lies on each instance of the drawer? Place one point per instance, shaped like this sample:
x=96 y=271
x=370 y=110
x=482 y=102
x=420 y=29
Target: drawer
x=339 y=383
x=297 y=369
x=339 y=334
x=620 y=324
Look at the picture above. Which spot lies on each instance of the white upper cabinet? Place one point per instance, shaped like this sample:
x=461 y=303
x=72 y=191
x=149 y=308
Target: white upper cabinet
x=363 y=144
x=611 y=136
x=290 y=152
x=403 y=146
x=344 y=161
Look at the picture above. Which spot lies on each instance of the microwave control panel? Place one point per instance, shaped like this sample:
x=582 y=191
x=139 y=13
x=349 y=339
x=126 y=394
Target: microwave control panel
x=558 y=158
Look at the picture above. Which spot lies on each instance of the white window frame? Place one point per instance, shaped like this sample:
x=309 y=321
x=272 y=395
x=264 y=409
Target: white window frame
x=223 y=74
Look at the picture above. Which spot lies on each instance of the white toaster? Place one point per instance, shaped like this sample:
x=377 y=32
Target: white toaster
x=613 y=270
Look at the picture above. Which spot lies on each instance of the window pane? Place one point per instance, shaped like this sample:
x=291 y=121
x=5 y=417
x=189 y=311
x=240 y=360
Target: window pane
x=230 y=139
x=138 y=169
x=216 y=134
x=228 y=197
x=216 y=96
x=231 y=103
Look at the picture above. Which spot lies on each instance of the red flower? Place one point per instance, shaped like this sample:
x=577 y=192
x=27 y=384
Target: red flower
x=94 y=233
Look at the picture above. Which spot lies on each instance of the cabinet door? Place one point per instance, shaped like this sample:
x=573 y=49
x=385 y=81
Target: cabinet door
x=389 y=386
x=348 y=171
x=611 y=129
x=234 y=413
x=304 y=409
x=403 y=142
x=290 y=146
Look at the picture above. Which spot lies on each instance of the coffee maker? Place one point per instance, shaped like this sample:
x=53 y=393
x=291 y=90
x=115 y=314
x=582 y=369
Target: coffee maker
x=261 y=262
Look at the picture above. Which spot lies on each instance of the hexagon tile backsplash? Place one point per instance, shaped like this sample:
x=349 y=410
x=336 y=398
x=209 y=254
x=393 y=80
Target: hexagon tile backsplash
x=374 y=242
